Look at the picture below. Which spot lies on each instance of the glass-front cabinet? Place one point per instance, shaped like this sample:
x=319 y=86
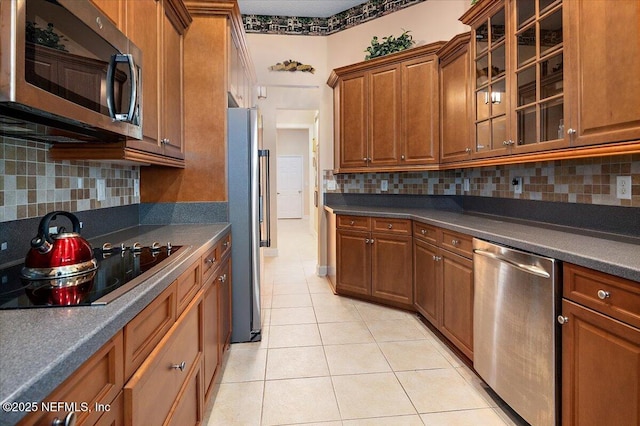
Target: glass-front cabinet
x=517 y=51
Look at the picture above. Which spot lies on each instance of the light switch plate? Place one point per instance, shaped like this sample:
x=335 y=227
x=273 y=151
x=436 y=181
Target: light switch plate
x=384 y=185
x=517 y=185
x=623 y=187
x=136 y=187
x=466 y=186
x=331 y=185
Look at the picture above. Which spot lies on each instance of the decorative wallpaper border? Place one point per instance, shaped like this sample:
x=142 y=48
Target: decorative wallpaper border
x=296 y=25
x=585 y=181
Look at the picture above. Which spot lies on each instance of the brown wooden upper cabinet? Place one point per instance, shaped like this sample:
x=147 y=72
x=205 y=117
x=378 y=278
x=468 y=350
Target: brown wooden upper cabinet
x=517 y=56
x=603 y=61
x=456 y=143
x=157 y=28
x=386 y=112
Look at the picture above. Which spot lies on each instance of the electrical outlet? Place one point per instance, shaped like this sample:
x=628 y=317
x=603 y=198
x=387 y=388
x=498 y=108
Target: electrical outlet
x=136 y=187
x=384 y=185
x=80 y=183
x=101 y=186
x=466 y=187
x=623 y=187
x=331 y=185
x=517 y=185
x=4 y=246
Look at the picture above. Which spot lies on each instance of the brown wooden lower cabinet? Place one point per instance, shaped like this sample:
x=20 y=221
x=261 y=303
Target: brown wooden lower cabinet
x=211 y=332
x=600 y=349
x=153 y=390
x=374 y=264
x=96 y=383
x=224 y=321
x=443 y=285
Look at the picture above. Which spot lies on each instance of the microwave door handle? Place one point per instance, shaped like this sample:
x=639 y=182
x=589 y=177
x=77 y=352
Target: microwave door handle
x=115 y=59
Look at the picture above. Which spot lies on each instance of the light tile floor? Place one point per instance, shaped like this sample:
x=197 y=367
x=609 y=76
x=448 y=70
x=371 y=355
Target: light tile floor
x=326 y=359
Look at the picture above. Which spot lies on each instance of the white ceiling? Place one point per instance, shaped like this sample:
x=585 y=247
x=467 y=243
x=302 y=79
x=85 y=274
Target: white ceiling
x=301 y=8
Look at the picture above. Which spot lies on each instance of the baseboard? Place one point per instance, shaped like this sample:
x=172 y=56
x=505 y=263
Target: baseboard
x=270 y=252
x=321 y=270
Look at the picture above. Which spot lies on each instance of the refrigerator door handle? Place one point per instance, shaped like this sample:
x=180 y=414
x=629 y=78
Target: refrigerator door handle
x=265 y=200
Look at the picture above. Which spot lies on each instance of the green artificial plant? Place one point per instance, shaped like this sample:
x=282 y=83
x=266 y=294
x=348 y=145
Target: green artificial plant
x=389 y=45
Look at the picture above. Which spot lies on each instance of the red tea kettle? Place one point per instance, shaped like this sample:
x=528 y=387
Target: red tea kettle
x=60 y=255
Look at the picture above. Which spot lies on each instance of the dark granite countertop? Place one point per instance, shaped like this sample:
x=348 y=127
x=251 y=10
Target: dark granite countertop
x=613 y=254
x=41 y=347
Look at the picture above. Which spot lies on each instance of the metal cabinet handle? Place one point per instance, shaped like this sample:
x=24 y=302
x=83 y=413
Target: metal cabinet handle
x=222 y=278
x=352 y=223
x=468 y=150
x=180 y=366
x=366 y=241
x=603 y=294
x=562 y=319
x=226 y=244
x=423 y=231
x=211 y=260
x=571 y=132
x=371 y=241
x=455 y=242
x=69 y=420
x=437 y=258
x=390 y=226
x=365 y=159
x=402 y=157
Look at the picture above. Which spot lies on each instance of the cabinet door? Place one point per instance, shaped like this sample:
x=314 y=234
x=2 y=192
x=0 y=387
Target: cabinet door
x=353 y=121
x=114 y=9
x=211 y=331
x=603 y=55
x=420 y=111
x=489 y=56
x=600 y=369
x=96 y=383
x=457 y=301
x=353 y=262
x=455 y=107
x=224 y=321
x=384 y=116
x=425 y=281
x=172 y=88
x=143 y=29
x=391 y=272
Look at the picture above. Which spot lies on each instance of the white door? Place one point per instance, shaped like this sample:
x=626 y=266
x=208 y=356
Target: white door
x=289 y=186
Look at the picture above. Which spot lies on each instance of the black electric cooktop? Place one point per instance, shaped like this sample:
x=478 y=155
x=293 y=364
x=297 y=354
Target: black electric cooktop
x=119 y=270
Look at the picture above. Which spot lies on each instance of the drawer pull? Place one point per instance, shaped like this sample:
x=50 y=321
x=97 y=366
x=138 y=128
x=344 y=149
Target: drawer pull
x=603 y=294
x=226 y=244
x=352 y=223
x=390 y=226
x=180 y=366
x=423 y=231
x=366 y=241
x=562 y=319
x=437 y=258
x=455 y=242
x=69 y=420
x=222 y=278
x=211 y=260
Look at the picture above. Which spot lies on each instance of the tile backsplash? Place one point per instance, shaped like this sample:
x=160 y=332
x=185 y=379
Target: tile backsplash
x=585 y=181
x=32 y=185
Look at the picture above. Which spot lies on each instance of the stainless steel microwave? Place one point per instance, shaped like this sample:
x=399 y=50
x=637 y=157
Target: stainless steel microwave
x=67 y=74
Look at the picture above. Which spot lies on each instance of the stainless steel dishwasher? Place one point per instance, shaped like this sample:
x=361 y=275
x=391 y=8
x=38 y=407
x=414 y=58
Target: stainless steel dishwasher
x=516 y=339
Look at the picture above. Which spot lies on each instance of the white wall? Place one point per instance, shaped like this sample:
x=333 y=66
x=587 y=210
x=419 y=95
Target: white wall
x=429 y=21
x=296 y=142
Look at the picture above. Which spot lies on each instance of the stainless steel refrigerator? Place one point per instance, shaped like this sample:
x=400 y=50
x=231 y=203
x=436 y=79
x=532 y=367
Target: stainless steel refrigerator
x=248 y=203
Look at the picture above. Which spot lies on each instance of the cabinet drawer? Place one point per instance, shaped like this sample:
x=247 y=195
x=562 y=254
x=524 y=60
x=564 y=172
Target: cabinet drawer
x=362 y=223
x=142 y=334
x=458 y=243
x=607 y=294
x=210 y=260
x=425 y=232
x=188 y=285
x=153 y=389
x=97 y=381
x=225 y=245
x=395 y=226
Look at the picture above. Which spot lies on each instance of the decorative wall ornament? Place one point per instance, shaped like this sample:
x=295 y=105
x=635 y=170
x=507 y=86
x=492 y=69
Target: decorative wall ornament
x=295 y=25
x=292 y=66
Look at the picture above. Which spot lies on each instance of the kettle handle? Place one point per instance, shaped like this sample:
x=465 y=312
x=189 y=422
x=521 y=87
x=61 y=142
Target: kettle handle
x=43 y=240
